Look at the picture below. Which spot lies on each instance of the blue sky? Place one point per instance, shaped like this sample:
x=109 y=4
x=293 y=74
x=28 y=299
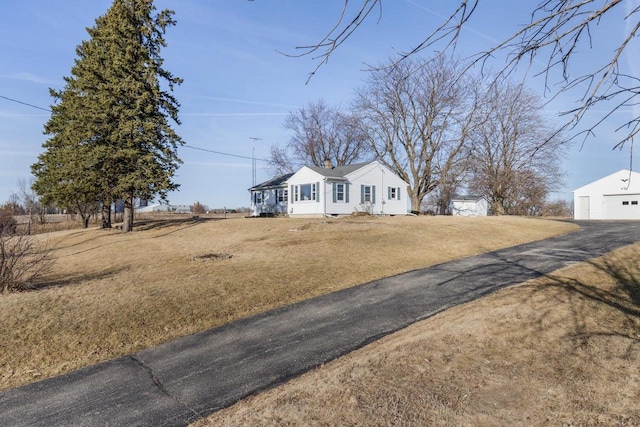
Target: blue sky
x=237 y=85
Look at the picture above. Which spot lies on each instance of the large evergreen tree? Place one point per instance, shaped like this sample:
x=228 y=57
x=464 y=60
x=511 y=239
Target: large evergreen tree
x=110 y=136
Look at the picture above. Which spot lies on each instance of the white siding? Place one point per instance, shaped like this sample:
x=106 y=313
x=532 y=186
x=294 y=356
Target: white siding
x=479 y=207
x=603 y=199
x=379 y=176
x=373 y=175
x=306 y=207
x=339 y=207
x=267 y=202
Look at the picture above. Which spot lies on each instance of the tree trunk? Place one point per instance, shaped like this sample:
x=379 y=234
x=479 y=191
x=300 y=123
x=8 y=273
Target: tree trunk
x=85 y=221
x=415 y=202
x=442 y=206
x=497 y=208
x=106 y=215
x=127 y=221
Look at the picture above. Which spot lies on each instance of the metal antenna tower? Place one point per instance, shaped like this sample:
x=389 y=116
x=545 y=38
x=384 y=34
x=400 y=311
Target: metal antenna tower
x=253 y=160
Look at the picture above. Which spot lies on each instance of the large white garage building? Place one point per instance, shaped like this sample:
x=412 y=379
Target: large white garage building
x=616 y=196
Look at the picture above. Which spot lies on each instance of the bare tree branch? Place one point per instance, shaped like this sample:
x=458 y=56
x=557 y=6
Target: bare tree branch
x=515 y=160
x=418 y=116
x=337 y=35
x=320 y=132
x=556 y=30
x=22 y=261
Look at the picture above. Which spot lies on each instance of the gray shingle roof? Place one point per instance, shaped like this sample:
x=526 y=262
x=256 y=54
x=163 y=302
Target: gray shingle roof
x=277 y=181
x=338 y=171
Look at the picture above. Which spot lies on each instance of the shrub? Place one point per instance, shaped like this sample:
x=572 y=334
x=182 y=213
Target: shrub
x=22 y=262
x=8 y=223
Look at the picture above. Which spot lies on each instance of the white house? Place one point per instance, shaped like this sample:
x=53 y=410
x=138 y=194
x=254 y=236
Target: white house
x=616 y=196
x=469 y=205
x=270 y=197
x=341 y=190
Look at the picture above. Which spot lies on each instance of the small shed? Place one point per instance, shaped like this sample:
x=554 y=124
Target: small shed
x=616 y=196
x=469 y=205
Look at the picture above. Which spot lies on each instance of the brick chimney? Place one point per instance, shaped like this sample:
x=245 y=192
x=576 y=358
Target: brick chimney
x=327 y=164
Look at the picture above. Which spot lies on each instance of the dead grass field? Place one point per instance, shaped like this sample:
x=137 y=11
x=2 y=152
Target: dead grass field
x=563 y=350
x=111 y=294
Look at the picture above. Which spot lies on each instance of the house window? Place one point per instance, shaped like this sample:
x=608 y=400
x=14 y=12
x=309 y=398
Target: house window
x=634 y=202
x=394 y=193
x=625 y=203
x=368 y=194
x=340 y=192
x=306 y=192
x=257 y=197
x=283 y=195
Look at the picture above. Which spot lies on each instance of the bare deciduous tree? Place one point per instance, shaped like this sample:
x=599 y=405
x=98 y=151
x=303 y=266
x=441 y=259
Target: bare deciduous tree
x=22 y=261
x=14 y=205
x=418 y=115
x=280 y=160
x=8 y=224
x=558 y=30
x=515 y=157
x=451 y=183
x=558 y=208
x=320 y=133
x=31 y=203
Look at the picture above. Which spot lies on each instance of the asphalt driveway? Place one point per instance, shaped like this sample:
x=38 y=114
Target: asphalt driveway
x=188 y=378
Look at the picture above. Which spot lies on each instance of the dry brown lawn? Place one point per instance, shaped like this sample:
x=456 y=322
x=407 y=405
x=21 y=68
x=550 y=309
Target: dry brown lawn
x=563 y=350
x=111 y=294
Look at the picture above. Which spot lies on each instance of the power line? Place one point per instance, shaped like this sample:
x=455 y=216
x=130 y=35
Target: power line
x=224 y=154
x=24 y=103
x=253 y=158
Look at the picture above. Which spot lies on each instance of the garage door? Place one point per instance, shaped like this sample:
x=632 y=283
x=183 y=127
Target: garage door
x=622 y=206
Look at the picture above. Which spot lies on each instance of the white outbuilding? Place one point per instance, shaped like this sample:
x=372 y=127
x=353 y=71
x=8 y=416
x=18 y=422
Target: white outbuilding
x=616 y=196
x=469 y=205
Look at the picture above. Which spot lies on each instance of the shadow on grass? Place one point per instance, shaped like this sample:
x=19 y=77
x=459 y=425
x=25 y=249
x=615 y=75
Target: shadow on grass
x=614 y=308
x=172 y=225
x=76 y=279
